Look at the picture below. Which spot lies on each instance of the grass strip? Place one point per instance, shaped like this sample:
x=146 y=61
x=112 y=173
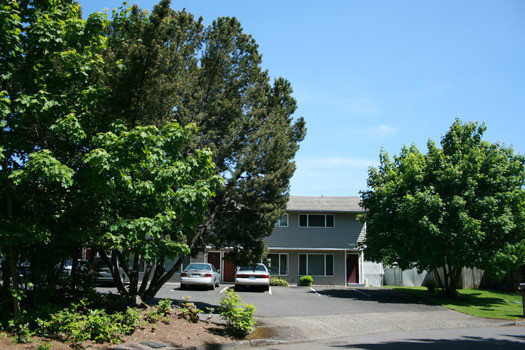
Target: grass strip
x=475 y=302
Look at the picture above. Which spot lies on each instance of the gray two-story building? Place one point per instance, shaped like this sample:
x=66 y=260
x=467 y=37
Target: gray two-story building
x=318 y=237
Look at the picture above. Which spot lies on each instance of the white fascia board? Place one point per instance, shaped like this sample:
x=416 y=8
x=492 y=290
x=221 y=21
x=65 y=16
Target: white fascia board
x=287 y=248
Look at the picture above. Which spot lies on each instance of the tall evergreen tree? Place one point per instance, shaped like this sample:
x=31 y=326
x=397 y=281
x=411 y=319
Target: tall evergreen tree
x=168 y=67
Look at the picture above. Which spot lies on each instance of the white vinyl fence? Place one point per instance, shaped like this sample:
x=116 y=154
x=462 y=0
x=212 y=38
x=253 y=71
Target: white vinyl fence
x=373 y=274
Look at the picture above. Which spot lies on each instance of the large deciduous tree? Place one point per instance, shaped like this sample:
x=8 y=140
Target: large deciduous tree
x=49 y=63
x=75 y=172
x=461 y=205
x=150 y=199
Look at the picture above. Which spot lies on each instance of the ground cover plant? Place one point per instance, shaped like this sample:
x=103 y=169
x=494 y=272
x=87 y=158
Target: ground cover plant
x=475 y=302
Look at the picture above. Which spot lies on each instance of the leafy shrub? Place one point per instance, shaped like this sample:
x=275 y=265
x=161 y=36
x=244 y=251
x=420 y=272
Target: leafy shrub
x=22 y=332
x=164 y=307
x=277 y=281
x=44 y=347
x=101 y=327
x=239 y=317
x=160 y=312
x=130 y=320
x=189 y=311
x=306 y=281
x=78 y=323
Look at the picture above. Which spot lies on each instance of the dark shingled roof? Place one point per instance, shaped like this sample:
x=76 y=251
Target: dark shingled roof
x=349 y=204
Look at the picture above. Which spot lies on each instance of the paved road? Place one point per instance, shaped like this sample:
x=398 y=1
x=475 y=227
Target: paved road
x=508 y=338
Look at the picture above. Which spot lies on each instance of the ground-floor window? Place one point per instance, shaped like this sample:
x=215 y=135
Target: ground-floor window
x=170 y=262
x=316 y=264
x=277 y=263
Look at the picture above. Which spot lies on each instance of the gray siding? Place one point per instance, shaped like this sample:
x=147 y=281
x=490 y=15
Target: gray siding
x=292 y=277
x=343 y=236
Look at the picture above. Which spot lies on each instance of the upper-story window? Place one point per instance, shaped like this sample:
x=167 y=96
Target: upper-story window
x=316 y=220
x=283 y=221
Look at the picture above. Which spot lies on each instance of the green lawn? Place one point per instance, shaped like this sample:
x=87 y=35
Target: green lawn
x=475 y=302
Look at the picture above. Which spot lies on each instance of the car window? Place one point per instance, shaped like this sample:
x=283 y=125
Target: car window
x=259 y=267
x=198 y=267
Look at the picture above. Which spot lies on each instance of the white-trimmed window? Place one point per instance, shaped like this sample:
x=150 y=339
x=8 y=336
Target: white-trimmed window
x=277 y=264
x=283 y=221
x=316 y=220
x=316 y=264
x=168 y=264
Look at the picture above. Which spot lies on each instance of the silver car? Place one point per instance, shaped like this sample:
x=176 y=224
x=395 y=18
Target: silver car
x=252 y=276
x=201 y=274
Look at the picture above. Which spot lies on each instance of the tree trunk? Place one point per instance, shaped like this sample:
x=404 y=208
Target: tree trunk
x=154 y=288
x=134 y=275
x=145 y=279
x=17 y=311
x=11 y=256
x=74 y=265
x=438 y=278
x=452 y=274
x=115 y=272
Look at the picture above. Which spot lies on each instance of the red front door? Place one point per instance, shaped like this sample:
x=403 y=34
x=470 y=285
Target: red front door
x=214 y=258
x=229 y=270
x=352 y=269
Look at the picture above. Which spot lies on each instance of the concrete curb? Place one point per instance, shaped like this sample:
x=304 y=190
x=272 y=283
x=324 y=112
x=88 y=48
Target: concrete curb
x=241 y=344
x=512 y=323
x=235 y=345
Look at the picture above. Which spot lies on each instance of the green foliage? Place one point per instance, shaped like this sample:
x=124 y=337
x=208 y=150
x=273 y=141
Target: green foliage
x=44 y=347
x=117 y=134
x=79 y=323
x=160 y=312
x=220 y=86
x=461 y=205
x=165 y=307
x=49 y=63
x=21 y=330
x=475 y=302
x=277 y=281
x=189 y=310
x=306 y=281
x=238 y=316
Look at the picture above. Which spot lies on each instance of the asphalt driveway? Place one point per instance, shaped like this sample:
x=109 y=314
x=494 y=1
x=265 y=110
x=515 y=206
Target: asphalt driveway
x=306 y=301
x=303 y=313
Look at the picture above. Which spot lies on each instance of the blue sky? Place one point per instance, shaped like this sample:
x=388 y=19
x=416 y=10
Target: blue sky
x=380 y=74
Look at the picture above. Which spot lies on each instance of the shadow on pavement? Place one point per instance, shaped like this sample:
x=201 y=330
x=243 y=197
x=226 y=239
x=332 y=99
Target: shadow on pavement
x=177 y=302
x=477 y=343
x=378 y=295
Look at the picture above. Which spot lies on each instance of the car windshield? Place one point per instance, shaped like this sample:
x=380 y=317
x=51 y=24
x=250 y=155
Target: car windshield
x=198 y=267
x=251 y=268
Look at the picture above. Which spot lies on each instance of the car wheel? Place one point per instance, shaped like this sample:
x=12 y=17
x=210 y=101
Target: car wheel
x=183 y=286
